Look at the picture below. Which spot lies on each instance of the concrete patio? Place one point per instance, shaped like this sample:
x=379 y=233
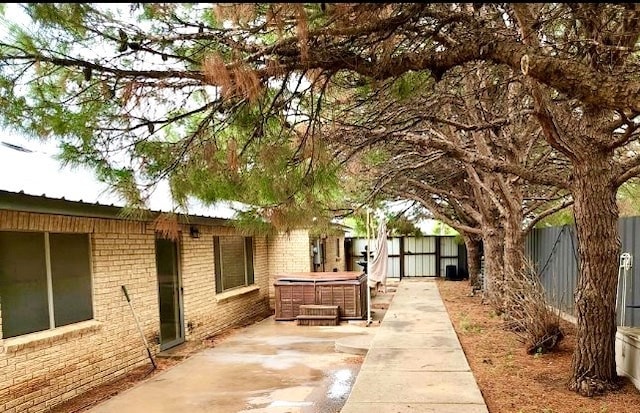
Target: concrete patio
x=414 y=364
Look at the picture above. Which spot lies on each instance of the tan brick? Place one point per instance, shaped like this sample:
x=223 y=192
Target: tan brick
x=48 y=372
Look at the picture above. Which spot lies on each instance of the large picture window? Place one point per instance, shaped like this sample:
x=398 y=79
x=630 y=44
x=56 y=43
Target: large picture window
x=45 y=281
x=233 y=262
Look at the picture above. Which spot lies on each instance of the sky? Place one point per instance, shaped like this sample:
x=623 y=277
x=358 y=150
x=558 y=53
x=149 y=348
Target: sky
x=35 y=171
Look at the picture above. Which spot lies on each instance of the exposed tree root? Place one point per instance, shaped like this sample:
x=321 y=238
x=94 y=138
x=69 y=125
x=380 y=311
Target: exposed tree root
x=589 y=387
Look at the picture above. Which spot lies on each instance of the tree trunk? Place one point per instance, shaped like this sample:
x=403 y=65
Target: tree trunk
x=492 y=241
x=513 y=263
x=473 y=245
x=596 y=214
x=513 y=245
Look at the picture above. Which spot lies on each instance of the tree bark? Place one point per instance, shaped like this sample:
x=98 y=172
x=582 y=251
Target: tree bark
x=492 y=241
x=473 y=245
x=513 y=262
x=596 y=214
x=513 y=244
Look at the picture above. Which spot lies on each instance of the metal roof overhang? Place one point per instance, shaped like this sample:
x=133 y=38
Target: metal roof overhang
x=18 y=201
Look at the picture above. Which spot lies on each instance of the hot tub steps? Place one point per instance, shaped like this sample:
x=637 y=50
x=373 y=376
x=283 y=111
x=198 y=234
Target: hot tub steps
x=318 y=315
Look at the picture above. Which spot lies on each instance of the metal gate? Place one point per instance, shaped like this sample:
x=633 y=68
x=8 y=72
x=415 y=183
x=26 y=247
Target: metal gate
x=409 y=256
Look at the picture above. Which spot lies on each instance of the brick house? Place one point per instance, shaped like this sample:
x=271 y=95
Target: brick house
x=65 y=325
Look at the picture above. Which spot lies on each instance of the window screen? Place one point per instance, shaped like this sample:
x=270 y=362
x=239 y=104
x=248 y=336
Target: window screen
x=24 y=284
x=70 y=278
x=233 y=262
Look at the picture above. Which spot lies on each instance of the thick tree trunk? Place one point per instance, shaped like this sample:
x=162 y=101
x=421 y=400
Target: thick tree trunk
x=513 y=264
x=513 y=245
x=596 y=214
x=473 y=245
x=493 y=243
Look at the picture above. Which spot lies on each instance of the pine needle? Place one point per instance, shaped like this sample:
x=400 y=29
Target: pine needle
x=302 y=30
x=166 y=225
x=216 y=73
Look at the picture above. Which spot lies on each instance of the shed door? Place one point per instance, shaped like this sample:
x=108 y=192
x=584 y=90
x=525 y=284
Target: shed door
x=169 y=294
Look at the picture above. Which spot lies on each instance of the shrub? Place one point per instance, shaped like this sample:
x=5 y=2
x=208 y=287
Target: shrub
x=528 y=313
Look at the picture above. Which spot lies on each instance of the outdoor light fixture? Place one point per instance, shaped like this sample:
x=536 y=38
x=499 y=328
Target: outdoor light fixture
x=194 y=232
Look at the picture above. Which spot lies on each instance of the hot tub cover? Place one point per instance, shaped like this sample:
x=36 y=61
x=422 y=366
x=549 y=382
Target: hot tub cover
x=320 y=276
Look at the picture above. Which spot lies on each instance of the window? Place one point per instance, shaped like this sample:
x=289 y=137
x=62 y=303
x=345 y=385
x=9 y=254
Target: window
x=233 y=261
x=45 y=281
x=337 y=247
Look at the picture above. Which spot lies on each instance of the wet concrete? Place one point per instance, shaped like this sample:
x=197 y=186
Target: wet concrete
x=269 y=367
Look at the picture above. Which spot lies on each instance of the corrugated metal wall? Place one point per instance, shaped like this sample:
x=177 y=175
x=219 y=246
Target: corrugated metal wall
x=416 y=256
x=393 y=249
x=554 y=253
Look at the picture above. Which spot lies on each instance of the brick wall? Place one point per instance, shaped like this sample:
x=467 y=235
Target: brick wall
x=42 y=369
x=287 y=253
x=206 y=313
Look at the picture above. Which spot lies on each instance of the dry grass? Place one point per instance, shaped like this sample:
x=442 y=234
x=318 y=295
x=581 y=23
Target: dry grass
x=513 y=381
x=528 y=313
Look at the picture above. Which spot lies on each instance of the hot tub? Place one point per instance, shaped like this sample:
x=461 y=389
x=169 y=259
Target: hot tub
x=346 y=289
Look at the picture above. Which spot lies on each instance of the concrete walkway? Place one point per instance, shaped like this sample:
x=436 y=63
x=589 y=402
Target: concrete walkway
x=415 y=362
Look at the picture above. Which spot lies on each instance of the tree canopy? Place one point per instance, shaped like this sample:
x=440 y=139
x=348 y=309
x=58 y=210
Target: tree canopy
x=490 y=114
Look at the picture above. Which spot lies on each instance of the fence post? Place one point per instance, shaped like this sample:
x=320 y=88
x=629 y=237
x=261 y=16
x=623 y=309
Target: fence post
x=401 y=247
x=438 y=254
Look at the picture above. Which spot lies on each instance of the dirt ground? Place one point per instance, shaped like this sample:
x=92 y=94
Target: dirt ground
x=99 y=394
x=512 y=381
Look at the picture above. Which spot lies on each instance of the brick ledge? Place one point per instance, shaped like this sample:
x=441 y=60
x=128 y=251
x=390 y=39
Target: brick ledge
x=235 y=293
x=48 y=336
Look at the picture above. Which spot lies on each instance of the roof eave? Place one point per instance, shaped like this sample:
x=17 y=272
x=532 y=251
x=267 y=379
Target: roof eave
x=19 y=201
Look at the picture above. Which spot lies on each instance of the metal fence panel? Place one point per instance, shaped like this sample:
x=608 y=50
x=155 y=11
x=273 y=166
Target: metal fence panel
x=420 y=245
x=420 y=265
x=449 y=247
x=393 y=263
x=553 y=251
x=393 y=249
x=411 y=256
x=419 y=256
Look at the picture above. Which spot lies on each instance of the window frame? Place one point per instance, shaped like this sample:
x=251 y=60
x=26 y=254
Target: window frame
x=49 y=282
x=248 y=248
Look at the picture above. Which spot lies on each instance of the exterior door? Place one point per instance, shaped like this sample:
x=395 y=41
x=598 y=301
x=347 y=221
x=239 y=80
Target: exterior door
x=169 y=294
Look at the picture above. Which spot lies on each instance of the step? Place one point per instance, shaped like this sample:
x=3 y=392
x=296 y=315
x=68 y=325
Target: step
x=317 y=316
x=358 y=345
x=318 y=321
x=319 y=306
x=316 y=309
